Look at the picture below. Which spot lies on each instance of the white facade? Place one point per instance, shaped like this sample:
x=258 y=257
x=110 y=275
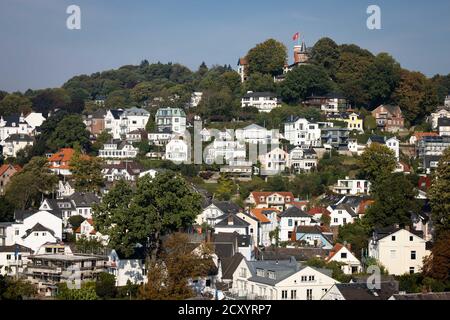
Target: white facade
x=118 y=151
x=305 y=284
x=442 y=112
x=274 y=162
x=302 y=160
x=263 y=101
x=352 y=187
x=341 y=216
x=23 y=234
x=394 y=145
x=35 y=119
x=14 y=125
x=222 y=151
x=120 y=122
x=14 y=143
x=177 y=151
x=125 y=270
x=257 y=135
x=173 y=119
x=400 y=252
x=343 y=255
x=300 y=132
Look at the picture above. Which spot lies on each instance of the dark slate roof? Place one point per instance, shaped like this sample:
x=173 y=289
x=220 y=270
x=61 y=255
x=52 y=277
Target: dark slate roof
x=99 y=114
x=236 y=222
x=300 y=254
x=229 y=265
x=227 y=206
x=346 y=207
x=381 y=233
x=444 y=122
x=139 y=253
x=309 y=229
x=14 y=247
x=294 y=212
x=377 y=139
x=12 y=119
x=116 y=113
x=84 y=199
x=423 y=296
x=37 y=228
x=225 y=244
x=259 y=94
x=360 y=291
x=353 y=201
x=20 y=215
x=282 y=269
x=19 y=137
x=244 y=240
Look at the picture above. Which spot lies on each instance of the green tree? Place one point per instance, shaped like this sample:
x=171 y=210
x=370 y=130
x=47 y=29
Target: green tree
x=395 y=200
x=6 y=210
x=226 y=189
x=370 y=123
x=76 y=220
x=157 y=207
x=381 y=79
x=16 y=289
x=51 y=99
x=105 y=286
x=325 y=53
x=268 y=57
x=439 y=195
x=258 y=82
x=70 y=133
x=87 y=173
x=86 y=292
x=437 y=265
x=356 y=233
x=304 y=81
x=14 y=104
x=27 y=187
x=376 y=162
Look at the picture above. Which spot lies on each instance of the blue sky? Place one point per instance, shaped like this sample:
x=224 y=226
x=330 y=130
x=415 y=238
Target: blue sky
x=38 y=51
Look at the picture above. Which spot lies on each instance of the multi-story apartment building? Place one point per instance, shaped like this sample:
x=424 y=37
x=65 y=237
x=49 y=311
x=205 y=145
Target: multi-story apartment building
x=119 y=122
x=335 y=137
x=170 y=119
x=263 y=101
x=330 y=103
x=301 y=132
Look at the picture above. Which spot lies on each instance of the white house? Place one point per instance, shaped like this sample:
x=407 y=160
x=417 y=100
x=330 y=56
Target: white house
x=160 y=138
x=13 y=259
x=352 y=187
x=355 y=147
x=290 y=219
x=128 y=268
x=256 y=134
x=399 y=250
x=274 y=161
x=215 y=212
x=119 y=122
x=177 y=151
x=301 y=132
x=14 y=124
x=341 y=214
x=222 y=151
x=232 y=223
x=118 y=150
x=441 y=112
x=87 y=230
x=33 y=229
x=173 y=119
x=35 y=119
x=280 y=280
x=268 y=222
x=14 y=143
x=302 y=160
x=342 y=254
x=277 y=200
x=263 y=101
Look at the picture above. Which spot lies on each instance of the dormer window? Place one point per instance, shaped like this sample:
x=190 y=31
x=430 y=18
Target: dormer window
x=260 y=272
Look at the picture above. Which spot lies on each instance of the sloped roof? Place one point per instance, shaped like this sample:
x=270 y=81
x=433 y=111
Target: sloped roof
x=63 y=155
x=13 y=248
x=423 y=296
x=19 y=137
x=260 y=214
x=37 y=228
x=294 y=212
x=360 y=291
x=258 y=194
x=5 y=167
x=229 y=265
x=227 y=206
x=235 y=222
x=84 y=199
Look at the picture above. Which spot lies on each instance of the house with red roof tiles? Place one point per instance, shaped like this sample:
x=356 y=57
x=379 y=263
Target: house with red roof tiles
x=342 y=254
x=87 y=230
x=6 y=172
x=277 y=200
x=268 y=222
x=60 y=161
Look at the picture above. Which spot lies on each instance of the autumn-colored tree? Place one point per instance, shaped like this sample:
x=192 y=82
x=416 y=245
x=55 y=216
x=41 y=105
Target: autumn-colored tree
x=437 y=265
x=168 y=278
x=439 y=195
x=87 y=173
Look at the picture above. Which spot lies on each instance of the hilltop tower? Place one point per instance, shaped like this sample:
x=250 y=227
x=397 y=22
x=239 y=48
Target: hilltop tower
x=301 y=54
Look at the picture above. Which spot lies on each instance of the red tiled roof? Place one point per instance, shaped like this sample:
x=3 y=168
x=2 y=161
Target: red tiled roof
x=364 y=205
x=258 y=214
x=257 y=196
x=63 y=155
x=318 y=210
x=5 y=167
x=420 y=135
x=333 y=251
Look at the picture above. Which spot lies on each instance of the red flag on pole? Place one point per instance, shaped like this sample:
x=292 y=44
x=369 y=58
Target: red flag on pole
x=296 y=36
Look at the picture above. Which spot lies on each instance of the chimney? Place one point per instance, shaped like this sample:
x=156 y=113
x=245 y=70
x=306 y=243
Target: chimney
x=208 y=236
x=407 y=228
x=230 y=220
